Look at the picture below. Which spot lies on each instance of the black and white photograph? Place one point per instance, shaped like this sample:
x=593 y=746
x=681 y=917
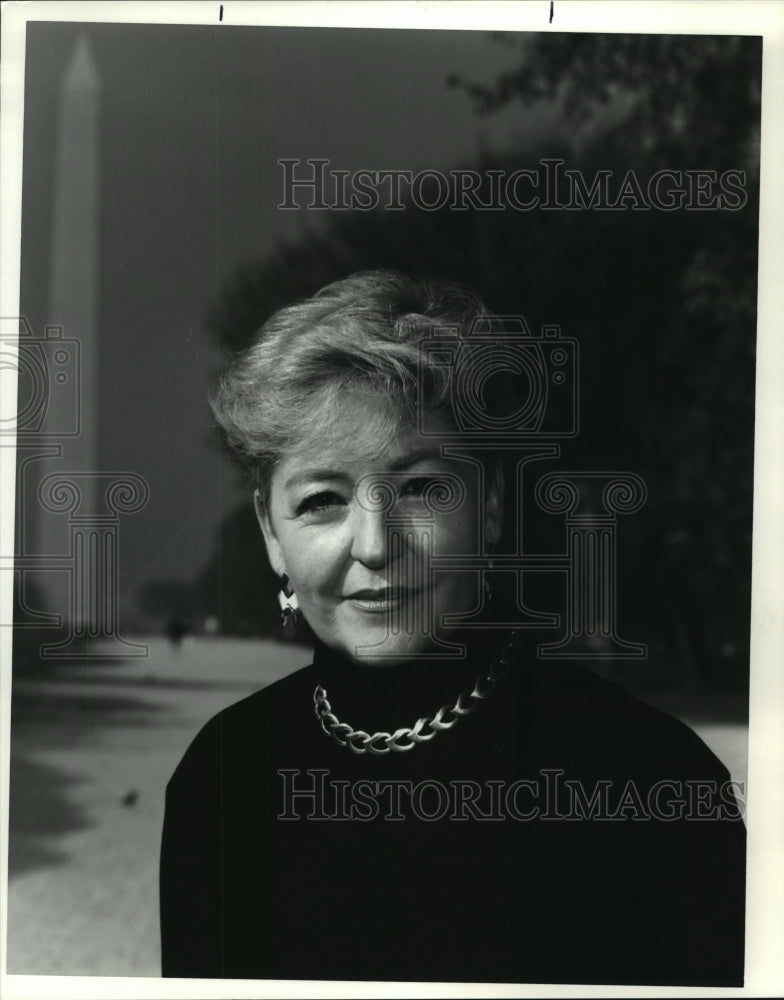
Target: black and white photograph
x=391 y=547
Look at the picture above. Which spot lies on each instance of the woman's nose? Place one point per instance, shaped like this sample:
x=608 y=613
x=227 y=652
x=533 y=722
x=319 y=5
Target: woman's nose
x=369 y=544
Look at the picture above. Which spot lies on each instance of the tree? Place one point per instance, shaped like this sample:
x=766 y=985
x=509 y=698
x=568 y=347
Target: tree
x=663 y=303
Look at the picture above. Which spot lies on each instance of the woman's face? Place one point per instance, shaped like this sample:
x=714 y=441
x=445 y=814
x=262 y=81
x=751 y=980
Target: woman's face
x=354 y=530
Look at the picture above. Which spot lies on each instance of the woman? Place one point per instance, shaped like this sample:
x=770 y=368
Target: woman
x=426 y=801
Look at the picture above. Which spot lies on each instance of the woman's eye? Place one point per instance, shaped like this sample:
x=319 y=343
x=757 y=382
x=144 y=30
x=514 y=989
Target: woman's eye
x=416 y=487
x=319 y=502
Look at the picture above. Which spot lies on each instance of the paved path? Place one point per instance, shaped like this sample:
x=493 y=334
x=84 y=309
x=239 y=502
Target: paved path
x=92 y=749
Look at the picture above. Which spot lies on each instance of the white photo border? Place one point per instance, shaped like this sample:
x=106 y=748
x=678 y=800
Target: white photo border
x=765 y=910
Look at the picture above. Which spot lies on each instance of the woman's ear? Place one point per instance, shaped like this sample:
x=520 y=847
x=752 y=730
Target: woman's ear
x=494 y=504
x=274 y=551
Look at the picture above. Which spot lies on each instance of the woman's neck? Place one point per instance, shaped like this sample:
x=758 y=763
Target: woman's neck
x=387 y=697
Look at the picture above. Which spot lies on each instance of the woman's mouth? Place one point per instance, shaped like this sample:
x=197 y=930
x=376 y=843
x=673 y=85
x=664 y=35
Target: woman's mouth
x=380 y=599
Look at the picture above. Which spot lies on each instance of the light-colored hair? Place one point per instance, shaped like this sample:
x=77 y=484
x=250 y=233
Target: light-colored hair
x=357 y=335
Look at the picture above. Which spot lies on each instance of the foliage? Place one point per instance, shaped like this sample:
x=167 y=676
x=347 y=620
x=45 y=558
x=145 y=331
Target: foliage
x=663 y=305
x=667 y=98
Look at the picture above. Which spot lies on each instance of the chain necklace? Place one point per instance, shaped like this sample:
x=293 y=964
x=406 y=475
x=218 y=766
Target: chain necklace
x=423 y=729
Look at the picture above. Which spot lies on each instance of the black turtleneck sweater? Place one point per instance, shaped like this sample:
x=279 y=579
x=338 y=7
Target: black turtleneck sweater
x=531 y=842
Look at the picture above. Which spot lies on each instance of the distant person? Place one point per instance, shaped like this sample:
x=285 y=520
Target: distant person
x=177 y=627
x=393 y=813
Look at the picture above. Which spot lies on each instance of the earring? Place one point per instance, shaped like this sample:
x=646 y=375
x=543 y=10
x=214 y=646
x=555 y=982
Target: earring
x=289 y=604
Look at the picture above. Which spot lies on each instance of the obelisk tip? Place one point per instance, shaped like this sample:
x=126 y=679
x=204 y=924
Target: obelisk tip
x=81 y=73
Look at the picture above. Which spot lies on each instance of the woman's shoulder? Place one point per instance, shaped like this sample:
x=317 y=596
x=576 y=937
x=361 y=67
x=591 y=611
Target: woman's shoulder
x=267 y=701
x=590 y=716
x=243 y=726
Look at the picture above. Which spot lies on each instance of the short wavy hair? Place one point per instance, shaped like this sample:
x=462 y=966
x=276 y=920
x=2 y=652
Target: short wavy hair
x=359 y=334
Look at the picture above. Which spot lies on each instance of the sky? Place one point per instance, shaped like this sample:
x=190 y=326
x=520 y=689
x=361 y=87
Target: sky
x=192 y=121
